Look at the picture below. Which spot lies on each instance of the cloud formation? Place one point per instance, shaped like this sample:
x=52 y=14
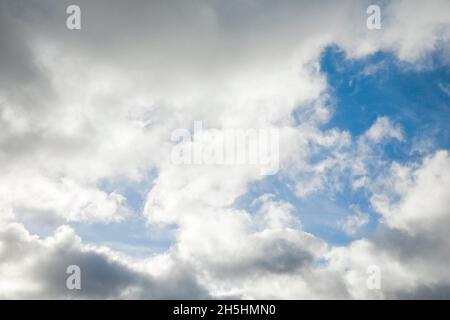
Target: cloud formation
x=78 y=108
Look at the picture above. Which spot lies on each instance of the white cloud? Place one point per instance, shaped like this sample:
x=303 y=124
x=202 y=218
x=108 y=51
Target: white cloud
x=353 y=223
x=382 y=129
x=100 y=104
x=423 y=195
x=444 y=88
x=43 y=198
x=341 y=158
x=412 y=250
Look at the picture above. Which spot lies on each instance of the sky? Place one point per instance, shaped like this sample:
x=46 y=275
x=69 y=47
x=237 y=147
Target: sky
x=87 y=124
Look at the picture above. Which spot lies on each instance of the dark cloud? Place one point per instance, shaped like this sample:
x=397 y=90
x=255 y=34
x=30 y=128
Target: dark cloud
x=193 y=59
x=436 y=291
x=42 y=265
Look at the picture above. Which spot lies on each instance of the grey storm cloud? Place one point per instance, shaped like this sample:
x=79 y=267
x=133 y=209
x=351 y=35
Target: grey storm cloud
x=43 y=265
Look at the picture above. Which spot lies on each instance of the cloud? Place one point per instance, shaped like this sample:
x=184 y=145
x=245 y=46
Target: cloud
x=39 y=198
x=444 y=88
x=78 y=108
x=421 y=190
x=383 y=128
x=411 y=248
x=34 y=268
x=334 y=158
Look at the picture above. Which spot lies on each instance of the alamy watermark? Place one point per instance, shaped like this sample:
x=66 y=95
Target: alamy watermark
x=373 y=22
x=231 y=146
x=73 y=281
x=73 y=21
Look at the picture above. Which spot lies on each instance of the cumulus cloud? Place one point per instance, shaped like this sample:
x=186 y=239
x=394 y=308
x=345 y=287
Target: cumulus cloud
x=411 y=248
x=78 y=108
x=423 y=194
x=353 y=223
